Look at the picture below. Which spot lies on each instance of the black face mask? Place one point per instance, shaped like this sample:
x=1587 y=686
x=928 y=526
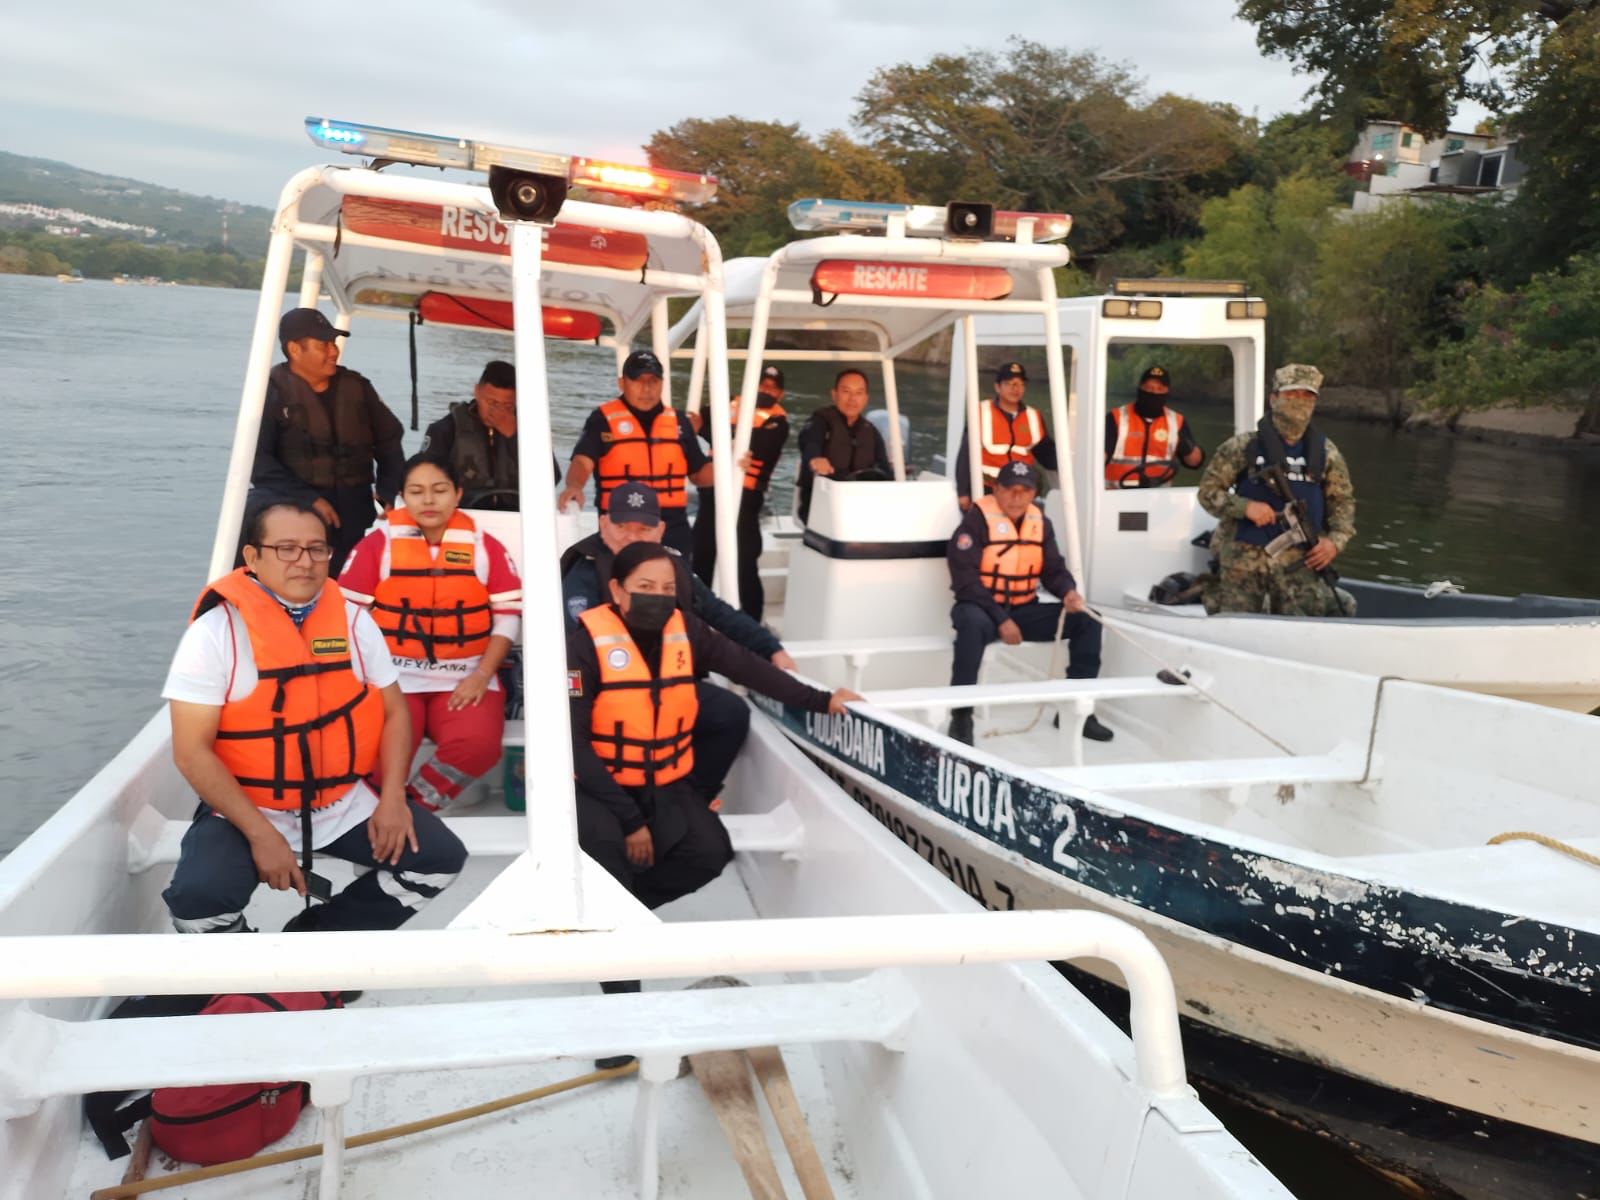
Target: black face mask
x=648 y=612
x=1149 y=404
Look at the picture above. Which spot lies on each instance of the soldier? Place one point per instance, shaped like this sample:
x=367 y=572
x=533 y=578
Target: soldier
x=1261 y=564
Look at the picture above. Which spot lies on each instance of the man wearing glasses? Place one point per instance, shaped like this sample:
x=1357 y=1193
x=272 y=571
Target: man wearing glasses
x=283 y=698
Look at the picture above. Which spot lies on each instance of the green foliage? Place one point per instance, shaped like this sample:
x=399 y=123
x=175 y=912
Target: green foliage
x=1539 y=345
x=25 y=253
x=1269 y=237
x=1560 y=93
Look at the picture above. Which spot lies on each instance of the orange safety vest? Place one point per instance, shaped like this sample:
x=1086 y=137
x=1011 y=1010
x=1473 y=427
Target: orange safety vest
x=1133 y=455
x=309 y=729
x=773 y=412
x=997 y=446
x=428 y=608
x=1013 y=559
x=641 y=725
x=653 y=456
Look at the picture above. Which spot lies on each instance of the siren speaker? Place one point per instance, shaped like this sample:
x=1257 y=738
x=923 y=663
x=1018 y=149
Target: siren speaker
x=967 y=220
x=525 y=196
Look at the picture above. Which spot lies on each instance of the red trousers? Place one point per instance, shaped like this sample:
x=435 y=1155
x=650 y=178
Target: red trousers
x=467 y=741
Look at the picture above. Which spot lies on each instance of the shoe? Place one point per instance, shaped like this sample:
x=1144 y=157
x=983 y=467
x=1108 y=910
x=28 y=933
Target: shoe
x=615 y=1061
x=1094 y=731
x=960 y=726
x=349 y=998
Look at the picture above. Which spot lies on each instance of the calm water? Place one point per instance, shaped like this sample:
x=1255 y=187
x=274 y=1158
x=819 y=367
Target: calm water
x=119 y=405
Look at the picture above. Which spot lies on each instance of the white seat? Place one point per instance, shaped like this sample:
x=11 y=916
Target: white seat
x=1033 y=691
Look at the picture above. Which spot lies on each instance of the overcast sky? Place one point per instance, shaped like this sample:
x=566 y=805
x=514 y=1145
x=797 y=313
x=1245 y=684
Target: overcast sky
x=210 y=98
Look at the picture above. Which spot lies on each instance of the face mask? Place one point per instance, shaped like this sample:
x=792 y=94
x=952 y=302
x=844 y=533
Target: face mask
x=648 y=612
x=1149 y=404
x=1292 y=416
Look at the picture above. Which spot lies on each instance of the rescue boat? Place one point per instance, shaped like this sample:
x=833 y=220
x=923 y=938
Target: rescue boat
x=930 y=1051
x=1377 y=895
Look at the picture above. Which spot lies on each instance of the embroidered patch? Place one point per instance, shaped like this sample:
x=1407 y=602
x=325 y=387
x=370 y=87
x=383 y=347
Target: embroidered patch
x=618 y=658
x=964 y=542
x=624 y=426
x=1160 y=435
x=574 y=683
x=1002 y=527
x=458 y=558
x=322 y=647
x=577 y=606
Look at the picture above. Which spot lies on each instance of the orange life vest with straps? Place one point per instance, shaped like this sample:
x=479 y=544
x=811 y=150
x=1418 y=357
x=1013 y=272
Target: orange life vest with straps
x=653 y=456
x=1013 y=558
x=641 y=724
x=773 y=412
x=433 y=608
x=997 y=446
x=1143 y=451
x=310 y=728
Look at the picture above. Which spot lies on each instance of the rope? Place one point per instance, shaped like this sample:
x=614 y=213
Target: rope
x=278 y=1157
x=1522 y=835
x=1055 y=669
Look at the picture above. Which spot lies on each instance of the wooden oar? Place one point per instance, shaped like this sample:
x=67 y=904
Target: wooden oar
x=785 y=1106
x=724 y=1076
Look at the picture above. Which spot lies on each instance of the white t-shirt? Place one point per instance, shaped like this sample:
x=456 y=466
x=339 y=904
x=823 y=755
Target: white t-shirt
x=217 y=647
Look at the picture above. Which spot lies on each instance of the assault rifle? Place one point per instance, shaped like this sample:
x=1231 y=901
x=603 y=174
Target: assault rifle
x=1298 y=534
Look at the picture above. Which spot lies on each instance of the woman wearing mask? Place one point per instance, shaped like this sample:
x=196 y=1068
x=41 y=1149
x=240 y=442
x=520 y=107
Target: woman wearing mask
x=631 y=676
x=448 y=600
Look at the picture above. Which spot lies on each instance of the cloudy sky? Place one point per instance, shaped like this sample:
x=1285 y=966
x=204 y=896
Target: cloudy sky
x=209 y=98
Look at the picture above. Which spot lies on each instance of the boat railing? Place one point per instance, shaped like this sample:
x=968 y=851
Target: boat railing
x=47 y=1058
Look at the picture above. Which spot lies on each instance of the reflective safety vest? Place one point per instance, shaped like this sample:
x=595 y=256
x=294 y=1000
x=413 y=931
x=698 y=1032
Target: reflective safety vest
x=641 y=725
x=653 y=456
x=773 y=412
x=433 y=608
x=998 y=447
x=309 y=729
x=1013 y=559
x=1143 y=451
x=326 y=439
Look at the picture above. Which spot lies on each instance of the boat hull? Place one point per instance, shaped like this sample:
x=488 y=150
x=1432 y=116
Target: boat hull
x=1403 y=1045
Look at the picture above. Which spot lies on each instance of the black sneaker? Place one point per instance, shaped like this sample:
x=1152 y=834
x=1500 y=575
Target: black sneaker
x=960 y=726
x=1094 y=731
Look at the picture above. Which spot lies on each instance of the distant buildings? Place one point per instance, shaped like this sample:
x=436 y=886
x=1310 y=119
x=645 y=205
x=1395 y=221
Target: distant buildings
x=64 y=216
x=1398 y=163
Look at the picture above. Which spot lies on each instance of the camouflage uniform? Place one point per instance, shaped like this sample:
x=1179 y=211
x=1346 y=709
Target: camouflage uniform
x=1247 y=579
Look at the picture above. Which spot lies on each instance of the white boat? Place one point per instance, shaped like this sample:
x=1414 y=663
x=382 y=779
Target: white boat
x=915 y=1076
x=1310 y=847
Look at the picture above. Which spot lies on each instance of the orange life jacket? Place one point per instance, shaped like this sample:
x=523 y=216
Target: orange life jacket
x=433 y=609
x=1013 y=559
x=773 y=412
x=997 y=445
x=1136 y=458
x=653 y=456
x=642 y=724
x=309 y=729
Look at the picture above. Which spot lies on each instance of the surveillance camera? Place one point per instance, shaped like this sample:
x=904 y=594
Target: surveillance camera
x=525 y=196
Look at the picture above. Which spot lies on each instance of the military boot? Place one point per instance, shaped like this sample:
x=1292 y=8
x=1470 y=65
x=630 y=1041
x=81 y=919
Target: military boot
x=960 y=725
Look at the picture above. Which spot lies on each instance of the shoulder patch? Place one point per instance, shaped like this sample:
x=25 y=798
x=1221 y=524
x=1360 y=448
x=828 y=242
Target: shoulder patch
x=576 y=606
x=964 y=541
x=575 y=683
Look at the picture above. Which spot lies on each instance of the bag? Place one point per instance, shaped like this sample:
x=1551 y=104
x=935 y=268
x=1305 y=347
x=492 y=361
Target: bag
x=217 y=1123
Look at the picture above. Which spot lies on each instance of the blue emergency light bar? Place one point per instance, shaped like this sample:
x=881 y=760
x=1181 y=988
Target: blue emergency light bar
x=430 y=150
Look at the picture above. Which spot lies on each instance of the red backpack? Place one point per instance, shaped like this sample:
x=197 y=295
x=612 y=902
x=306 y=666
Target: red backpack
x=222 y=1122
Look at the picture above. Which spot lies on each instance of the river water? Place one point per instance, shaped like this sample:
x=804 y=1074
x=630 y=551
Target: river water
x=119 y=407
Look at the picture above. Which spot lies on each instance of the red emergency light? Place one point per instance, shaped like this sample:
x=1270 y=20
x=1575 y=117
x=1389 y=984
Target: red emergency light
x=441 y=308
x=681 y=187
x=451 y=228
x=934 y=281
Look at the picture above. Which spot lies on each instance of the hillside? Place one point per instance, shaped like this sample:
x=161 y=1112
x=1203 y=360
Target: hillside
x=179 y=218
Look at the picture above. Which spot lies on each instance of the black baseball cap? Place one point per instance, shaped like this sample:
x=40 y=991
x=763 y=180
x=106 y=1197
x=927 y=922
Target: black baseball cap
x=642 y=362
x=1159 y=374
x=300 y=323
x=634 y=503
x=1017 y=474
x=774 y=374
x=499 y=374
x=1010 y=370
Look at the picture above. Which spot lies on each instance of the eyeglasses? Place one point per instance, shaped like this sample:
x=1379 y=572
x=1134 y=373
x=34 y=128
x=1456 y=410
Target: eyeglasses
x=291 y=551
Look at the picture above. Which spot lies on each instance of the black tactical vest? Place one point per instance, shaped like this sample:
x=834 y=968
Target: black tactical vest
x=325 y=453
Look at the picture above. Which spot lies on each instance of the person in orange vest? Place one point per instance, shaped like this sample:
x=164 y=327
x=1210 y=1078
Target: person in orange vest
x=283 y=699
x=769 y=430
x=1011 y=432
x=1004 y=548
x=1146 y=441
x=631 y=673
x=448 y=599
x=636 y=437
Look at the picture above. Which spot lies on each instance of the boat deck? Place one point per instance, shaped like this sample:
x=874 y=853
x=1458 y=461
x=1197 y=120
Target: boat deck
x=578 y=1143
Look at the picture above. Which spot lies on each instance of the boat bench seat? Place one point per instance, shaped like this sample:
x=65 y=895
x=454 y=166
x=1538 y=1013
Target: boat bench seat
x=89 y=1056
x=1077 y=693
x=778 y=831
x=1221 y=773
x=848 y=648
